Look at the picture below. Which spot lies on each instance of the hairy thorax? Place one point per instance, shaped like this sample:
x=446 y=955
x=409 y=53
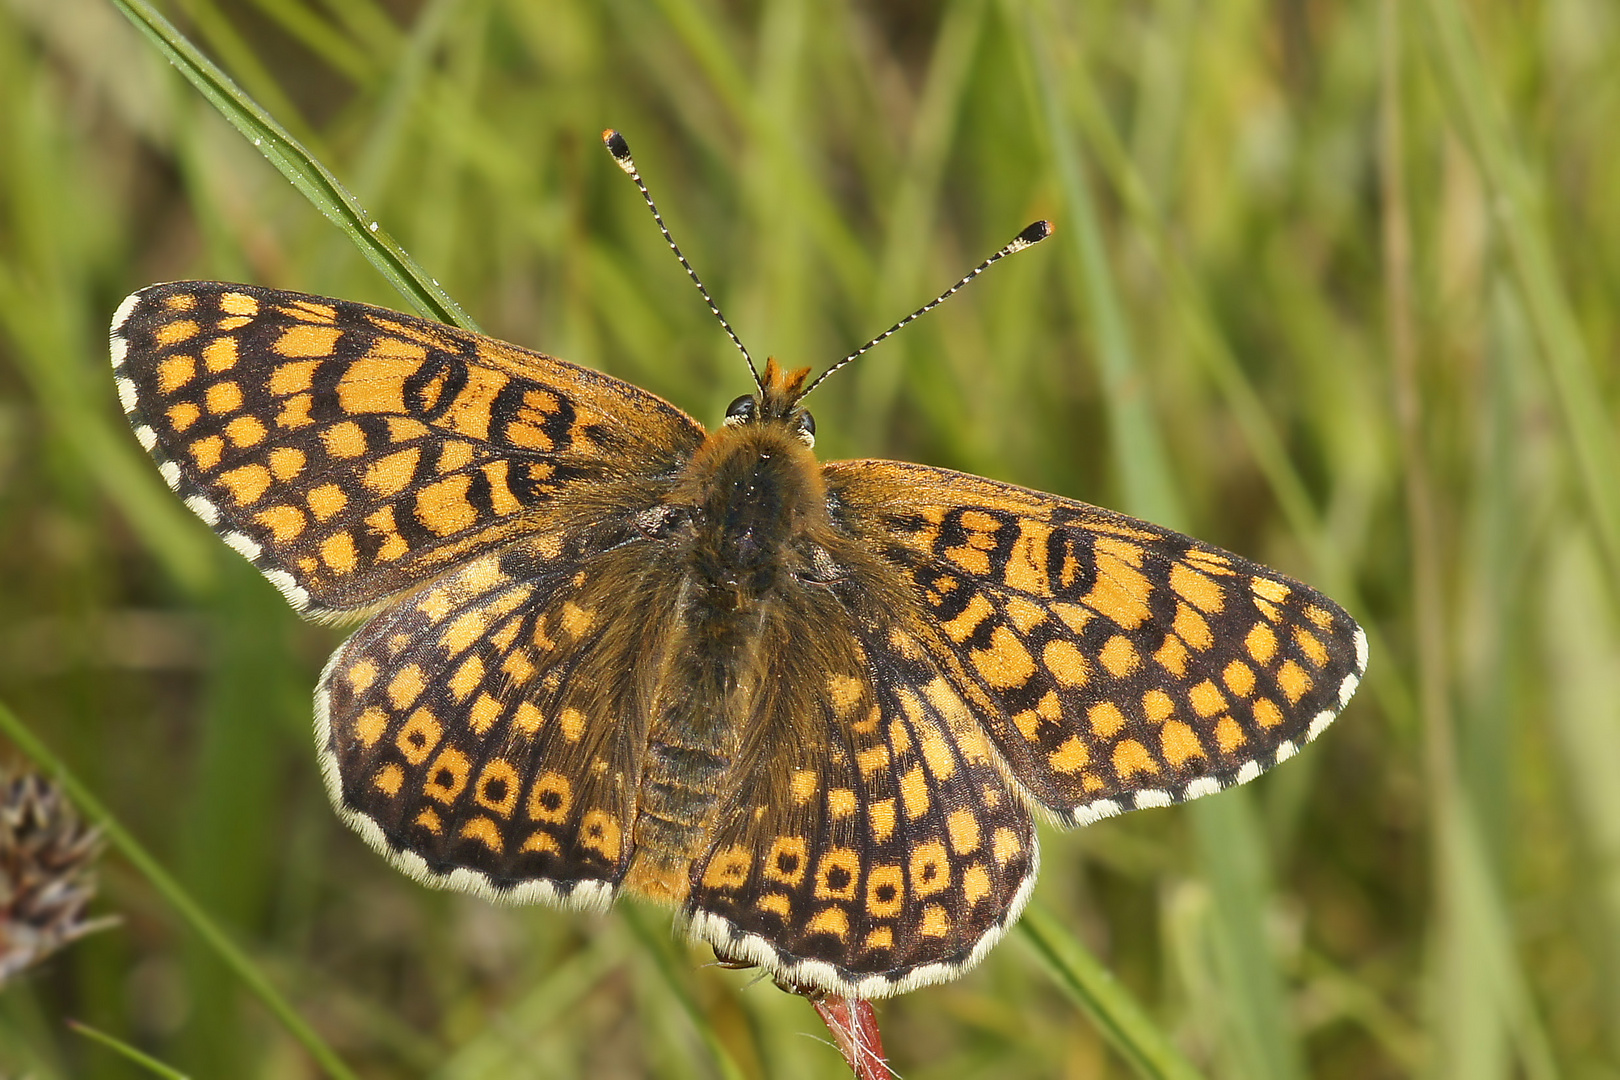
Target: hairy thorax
x=745 y=524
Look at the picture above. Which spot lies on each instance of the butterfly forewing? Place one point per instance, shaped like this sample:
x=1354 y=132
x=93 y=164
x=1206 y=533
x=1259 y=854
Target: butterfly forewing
x=1114 y=664
x=351 y=452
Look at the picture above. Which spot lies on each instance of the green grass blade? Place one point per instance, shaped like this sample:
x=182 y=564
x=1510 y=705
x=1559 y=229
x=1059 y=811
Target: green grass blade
x=176 y=896
x=127 y=1052
x=294 y=162
x=1121 y=1019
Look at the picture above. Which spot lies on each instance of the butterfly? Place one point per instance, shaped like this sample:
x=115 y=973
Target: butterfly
x=811 y=706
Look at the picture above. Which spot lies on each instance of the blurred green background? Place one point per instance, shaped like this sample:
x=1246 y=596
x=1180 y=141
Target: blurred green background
x=1335 y=285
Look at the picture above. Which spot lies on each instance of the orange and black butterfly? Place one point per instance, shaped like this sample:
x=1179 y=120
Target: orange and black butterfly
x=812 y=706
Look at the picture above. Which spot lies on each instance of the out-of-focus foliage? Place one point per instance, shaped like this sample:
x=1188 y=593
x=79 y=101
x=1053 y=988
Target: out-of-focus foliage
x=1335 y=286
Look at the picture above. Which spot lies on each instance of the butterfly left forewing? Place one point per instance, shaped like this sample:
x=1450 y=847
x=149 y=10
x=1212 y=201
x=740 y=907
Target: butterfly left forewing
x=1113 y=663
x=351 y=452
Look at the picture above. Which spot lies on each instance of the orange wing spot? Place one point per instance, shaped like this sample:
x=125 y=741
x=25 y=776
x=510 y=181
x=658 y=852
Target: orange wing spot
x=483 y=714
x=963 y=828
x=361 y=674
x=1106 y=719
x=1212 y=561
x=829 y=920
x=429 y=820
x=1005 y=845
x=1006 y=663
x=501 y=499
x=418 y=737
x=845 y=692
x=600 y=832
x=374 y=384
x=337 y=551
x=293 y=378
x=935 y=922
x=245 y=431
x=802 y=785
x=1178 y=744
x=467 y=677
x=284 y=522
x=183 y=415
x=1120 y=591
x=1028 y=724
x=447 y=776
x=206 y=452
x=1191 y=628
x=231 y=323
x=382 y=523
x=1065 y=663
x=390 y=475
x=1048 y=707
x=871 y=760
x=176 y=332
x=1157 y=705
x=1091 y=783
x=1266 y=713
x=325 y=500
x=295 y=412
x=869 y=724
x=550 y=798
x=405 y=687
x=180 y=302
x=470 y=412
x=1119 y=656
x=728 y=869
x=1319 y=616
x=519 y=663
x=979 y=521
x=527 y=718
x=1266 y=608
x=442 y=508
x=1025 y=615
x=463 y=630
x=311 y=311
x=1274 y=591
x=936 y=751
x=1206 y=699
x=344 y=440
x=975 y=884
x=1131 y=757
x=572 y=722
x=542 y=842
x=456 y=454
x=1239 y=678
x=1198 y=589
x=838 y=871
x=1293 y=680
x=1074 y=616
x=220 y=354
x=175 y=371
x=389 y=779
x=1311 y=646
x=930 y=869
x=1070 y=756
x=286 y=462
x=967 y=621
x=776 y=903
x=497 y=787
x=370 y=725
x=899 y=734
x=404 y=429
x=788 y=860
x=969 y=559
x=990 y=796
x=485 y=832
x=1026 y=568
x=840 y=803
x=880 y=817
x=307 y=341
x=914 y=793
x=246 y=483
x=1228 y=736
x=1261 y=643
x=235 y=303
x=1172 y=656
x=576 y=621
x=223 y=397
x=885 y=891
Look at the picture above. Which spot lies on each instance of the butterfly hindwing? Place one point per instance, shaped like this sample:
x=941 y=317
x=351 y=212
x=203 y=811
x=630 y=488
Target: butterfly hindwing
x=1114 y=664
x=351 y=452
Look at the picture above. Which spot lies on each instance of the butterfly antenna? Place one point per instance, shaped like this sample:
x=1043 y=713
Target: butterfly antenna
x=1031 y=235
x=621 y=153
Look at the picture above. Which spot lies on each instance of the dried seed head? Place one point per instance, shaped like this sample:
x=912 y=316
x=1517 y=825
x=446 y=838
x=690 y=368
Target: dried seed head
x=45 y=879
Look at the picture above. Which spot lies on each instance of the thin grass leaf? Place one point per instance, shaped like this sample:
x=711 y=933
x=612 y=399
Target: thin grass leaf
x=127 y=1052
x=177 y=897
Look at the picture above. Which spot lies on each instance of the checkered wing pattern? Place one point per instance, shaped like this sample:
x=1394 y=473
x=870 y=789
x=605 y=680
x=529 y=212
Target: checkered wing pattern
x=480 y=732
x=1113 y=664
x=876 y=846
x=352 y=452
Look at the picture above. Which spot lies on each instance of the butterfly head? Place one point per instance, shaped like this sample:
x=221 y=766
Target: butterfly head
x=776 y=402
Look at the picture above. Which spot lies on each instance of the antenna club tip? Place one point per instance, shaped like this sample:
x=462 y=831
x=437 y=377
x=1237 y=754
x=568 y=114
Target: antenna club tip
x=619 y=149
x=1032 y=234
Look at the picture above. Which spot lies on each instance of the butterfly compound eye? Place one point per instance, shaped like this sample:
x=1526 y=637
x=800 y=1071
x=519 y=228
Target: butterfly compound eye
x=742 y=410
x=805 y=428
